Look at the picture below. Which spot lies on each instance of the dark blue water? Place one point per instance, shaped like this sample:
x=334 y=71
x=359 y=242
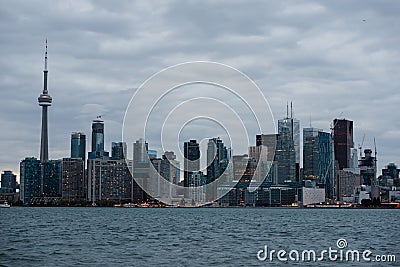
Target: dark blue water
x=188 y=237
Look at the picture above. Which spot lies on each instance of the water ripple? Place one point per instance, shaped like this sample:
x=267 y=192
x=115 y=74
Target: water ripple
x=185 y=237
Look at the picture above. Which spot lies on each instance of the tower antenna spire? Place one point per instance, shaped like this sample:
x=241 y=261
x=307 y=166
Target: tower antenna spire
x=291 y=109
x=45 y=57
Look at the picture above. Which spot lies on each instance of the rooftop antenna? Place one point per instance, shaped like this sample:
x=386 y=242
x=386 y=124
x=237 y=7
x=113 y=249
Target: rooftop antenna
x=291 y=110
x=310 y=121
x=99 y=117
x=287 y=109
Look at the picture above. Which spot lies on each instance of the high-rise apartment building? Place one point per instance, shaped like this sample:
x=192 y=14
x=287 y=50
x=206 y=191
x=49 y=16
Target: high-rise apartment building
x=109 y=180
x=30 y=179
x=51 y=178
x=73 y=180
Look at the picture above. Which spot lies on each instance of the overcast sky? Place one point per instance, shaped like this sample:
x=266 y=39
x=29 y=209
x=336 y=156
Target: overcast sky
x=329 y=58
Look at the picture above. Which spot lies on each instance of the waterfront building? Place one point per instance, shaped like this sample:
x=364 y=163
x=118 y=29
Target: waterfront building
x=30 y=179
x=348 y=180
x=9 y=180
x=51 y=178
x=313 y=195
x=196 y=181
x=108 y=180
x=73 y=180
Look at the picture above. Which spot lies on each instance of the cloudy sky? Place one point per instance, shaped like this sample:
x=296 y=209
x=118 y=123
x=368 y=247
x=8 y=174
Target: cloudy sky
x=329 y=58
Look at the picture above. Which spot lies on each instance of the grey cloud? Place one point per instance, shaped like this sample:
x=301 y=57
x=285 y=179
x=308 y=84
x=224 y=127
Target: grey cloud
x=321 y=55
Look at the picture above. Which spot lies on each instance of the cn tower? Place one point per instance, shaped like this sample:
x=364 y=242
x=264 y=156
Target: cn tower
x=44 y=101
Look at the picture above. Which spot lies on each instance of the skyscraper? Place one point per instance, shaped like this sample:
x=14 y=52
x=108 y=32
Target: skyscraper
x=343 y=141
x=216 y=153
x=326 y=164
x=165 y=172
x=78 y=145
x=98 y=135
x=285 y=156
x=191 y=160
x=310 y=153
x=98 y=140
x=170 y=167
x=140 y=148
x=44 y=101
x=269 y=141
x=318 y=161
x=118 y=150
x=293 y=125
x=216 y=163
x=141 y=170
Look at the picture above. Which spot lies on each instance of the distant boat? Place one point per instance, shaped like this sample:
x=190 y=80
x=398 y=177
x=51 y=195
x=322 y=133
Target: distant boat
x=4 y=205
x=128 y=205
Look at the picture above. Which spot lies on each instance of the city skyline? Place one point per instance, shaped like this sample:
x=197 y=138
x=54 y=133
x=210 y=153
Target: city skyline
x=347 y=72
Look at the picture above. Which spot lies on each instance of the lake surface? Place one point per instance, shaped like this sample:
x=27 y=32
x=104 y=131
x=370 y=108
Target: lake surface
x=189 y=236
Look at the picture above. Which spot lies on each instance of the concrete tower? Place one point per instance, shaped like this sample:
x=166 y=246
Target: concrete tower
x=44 y=101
